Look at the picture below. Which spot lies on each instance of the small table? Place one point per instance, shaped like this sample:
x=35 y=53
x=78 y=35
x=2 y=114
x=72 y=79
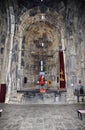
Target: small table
x=80 y=113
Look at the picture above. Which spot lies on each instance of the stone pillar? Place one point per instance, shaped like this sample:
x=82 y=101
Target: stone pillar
x=72 y=69
x=82 y=55
x=19 y=60
x=5 y=67
x=12 y=20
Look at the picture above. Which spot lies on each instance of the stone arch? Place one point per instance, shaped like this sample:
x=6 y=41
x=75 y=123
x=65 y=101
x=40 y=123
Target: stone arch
x=55 y=20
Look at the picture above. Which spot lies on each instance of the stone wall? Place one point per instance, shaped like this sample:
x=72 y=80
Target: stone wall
x=67 y=15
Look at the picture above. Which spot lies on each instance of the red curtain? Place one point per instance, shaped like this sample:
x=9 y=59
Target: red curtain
x=62 y=71
x=2 y=93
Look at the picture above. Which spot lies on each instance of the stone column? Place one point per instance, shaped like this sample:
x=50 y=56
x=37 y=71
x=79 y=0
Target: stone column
x=82 y=55
x=71 y=66
x=12 y=26
x=4 y=70
x=19 y=59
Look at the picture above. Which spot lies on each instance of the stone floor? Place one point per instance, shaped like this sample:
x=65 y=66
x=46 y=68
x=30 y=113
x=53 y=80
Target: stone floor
x=41 y=117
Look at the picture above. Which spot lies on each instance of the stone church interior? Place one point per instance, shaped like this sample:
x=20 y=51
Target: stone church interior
x=42 y=50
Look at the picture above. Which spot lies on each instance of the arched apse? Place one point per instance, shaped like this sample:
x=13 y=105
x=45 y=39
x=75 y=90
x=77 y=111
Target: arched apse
x=33 y=31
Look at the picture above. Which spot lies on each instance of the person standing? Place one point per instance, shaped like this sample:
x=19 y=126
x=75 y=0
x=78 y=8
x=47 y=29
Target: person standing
x=81 y=89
